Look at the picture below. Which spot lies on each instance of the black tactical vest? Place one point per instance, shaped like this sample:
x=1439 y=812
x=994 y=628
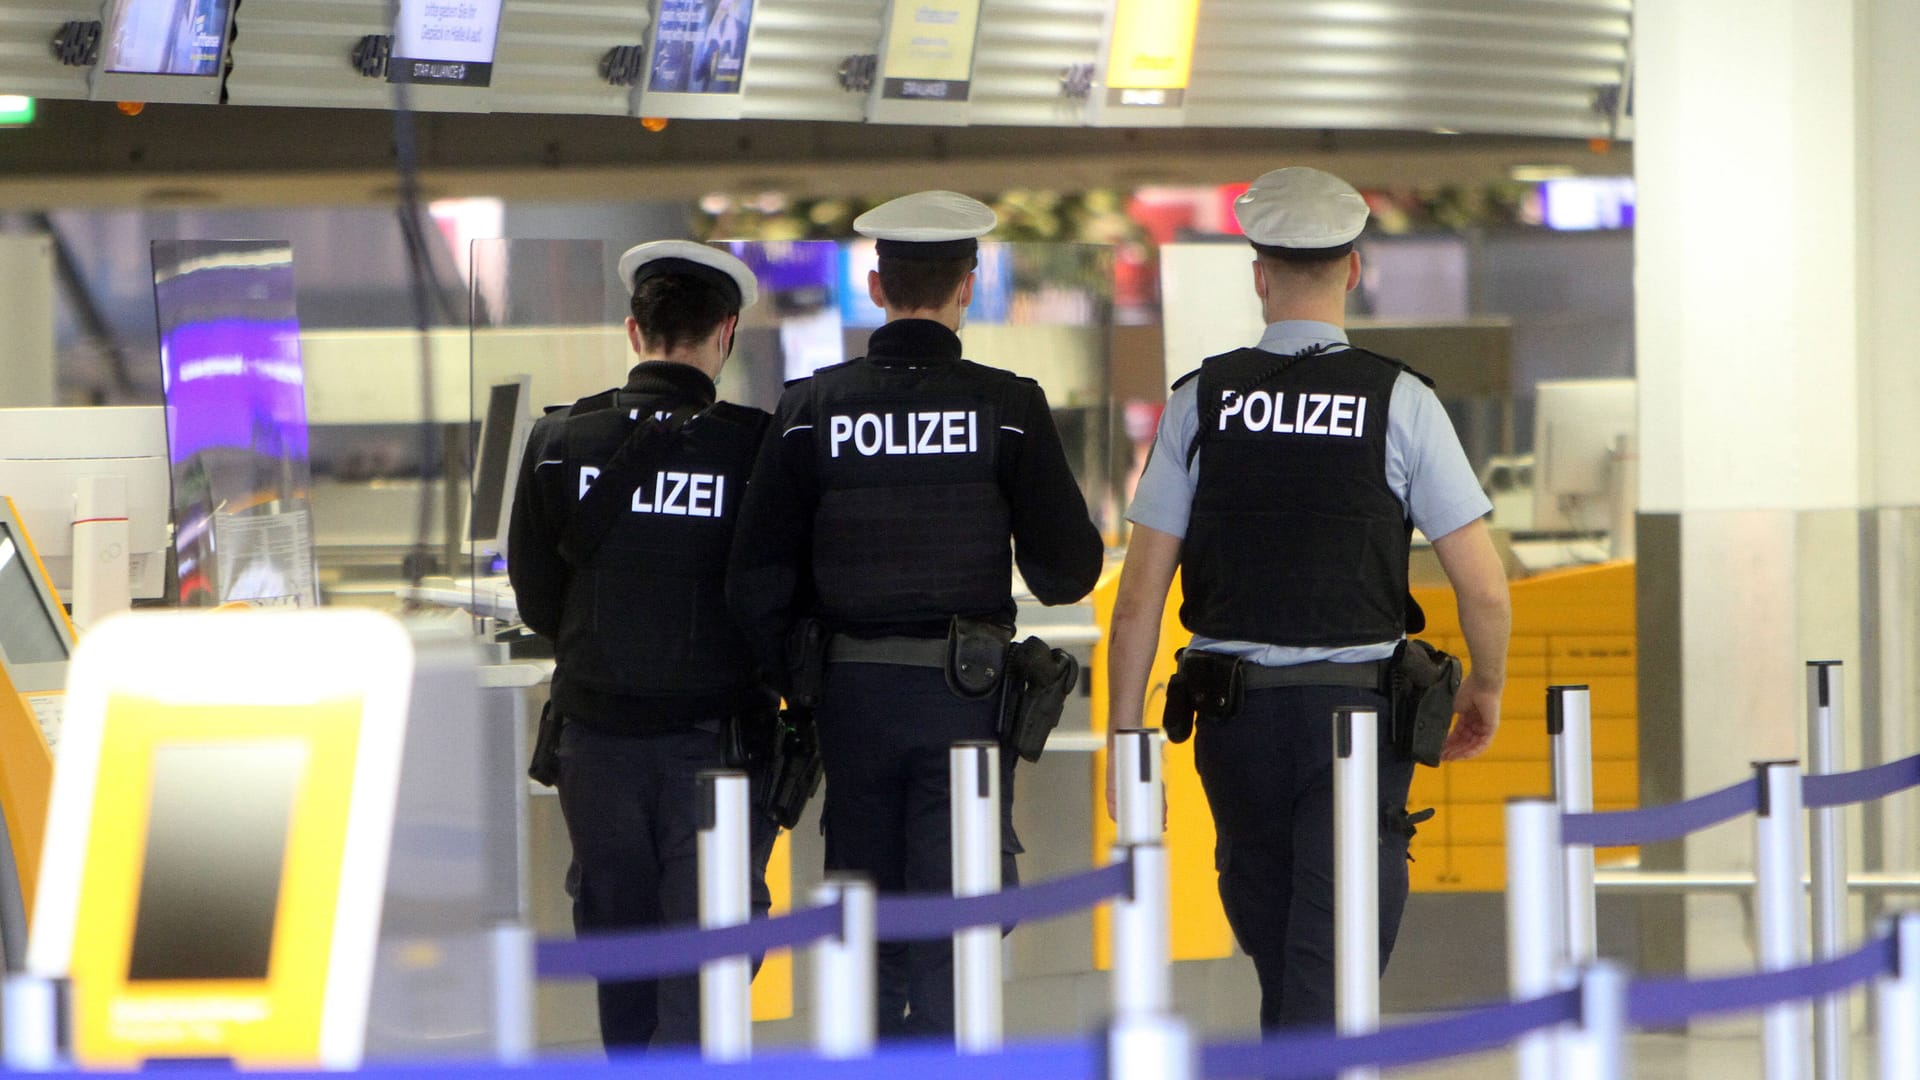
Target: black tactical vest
x=1295 y=538
x=646 y=613
x=911 y=522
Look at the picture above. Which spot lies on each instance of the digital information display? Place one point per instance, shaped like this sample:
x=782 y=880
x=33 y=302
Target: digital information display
x=445 y=42
x=1150 y=56
x=166 y=37
x=929 y=53
x=700 y=46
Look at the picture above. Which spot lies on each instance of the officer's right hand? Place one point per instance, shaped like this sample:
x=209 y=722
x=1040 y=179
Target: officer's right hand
x=1476 y=717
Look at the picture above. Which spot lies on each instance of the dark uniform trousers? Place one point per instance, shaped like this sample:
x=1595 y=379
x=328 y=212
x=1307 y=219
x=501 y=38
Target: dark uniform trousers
x=633 y=813
x=1268 y=775
x=884 y=735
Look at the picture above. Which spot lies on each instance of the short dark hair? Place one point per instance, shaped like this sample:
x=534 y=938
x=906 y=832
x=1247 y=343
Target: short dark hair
x=1316 y=269
x=923 y=284
x=675 y=310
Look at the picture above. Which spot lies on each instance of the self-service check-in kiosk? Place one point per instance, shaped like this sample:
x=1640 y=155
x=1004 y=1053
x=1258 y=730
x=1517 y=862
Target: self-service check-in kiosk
x=36 y=641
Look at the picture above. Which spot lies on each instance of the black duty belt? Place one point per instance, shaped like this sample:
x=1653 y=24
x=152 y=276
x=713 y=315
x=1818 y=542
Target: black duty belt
x=903 y=651
x=1362 y=676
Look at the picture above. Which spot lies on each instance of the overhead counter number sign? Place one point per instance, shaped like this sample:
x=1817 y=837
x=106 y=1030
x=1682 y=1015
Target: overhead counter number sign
x=930 y=46
x=446 y=42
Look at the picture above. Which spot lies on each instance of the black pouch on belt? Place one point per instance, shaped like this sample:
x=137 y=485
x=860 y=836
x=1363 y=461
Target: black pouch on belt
x=1425 y=681
x=544 y=768
x=976 y=656
x=1215 y=686
x=1039 y=679
x=1176 y=716
x=807 y=663
x=796 y=770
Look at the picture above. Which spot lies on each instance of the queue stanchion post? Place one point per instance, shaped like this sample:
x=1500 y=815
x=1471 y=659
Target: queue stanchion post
x=1597 y=1049
x=843 y=971
x=1827 y=853
x=1139 y=796
x=1142 y=964
x=1536 y=921
x=726 y=1013
x=513 y=993
x=1356 y=874
x=1147 y=1041
x=1570 y=729
x=1156 y=1047
x=975 y=781
x=34 y=1020
x=1897 y=1001
x=1779 y=856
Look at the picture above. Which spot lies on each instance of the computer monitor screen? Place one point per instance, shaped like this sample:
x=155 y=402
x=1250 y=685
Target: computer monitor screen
x=28 y=632
x=216 y=845
x=502 y=433
x=1580 y=429
x=166 y=37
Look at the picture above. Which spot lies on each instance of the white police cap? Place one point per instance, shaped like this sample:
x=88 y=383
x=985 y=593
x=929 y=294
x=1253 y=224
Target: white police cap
x=709 y=264
x=1301 y=210
x=927 y=225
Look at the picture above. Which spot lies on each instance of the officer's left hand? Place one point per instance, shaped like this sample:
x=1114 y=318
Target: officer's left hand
x=1476 y=717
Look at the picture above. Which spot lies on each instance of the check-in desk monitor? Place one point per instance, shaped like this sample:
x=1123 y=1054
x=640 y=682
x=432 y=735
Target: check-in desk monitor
x=496 y=472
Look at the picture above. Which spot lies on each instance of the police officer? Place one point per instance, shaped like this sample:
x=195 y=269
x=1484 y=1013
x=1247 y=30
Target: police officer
x=621 y=526
x=1284 y=483
x=882 y=505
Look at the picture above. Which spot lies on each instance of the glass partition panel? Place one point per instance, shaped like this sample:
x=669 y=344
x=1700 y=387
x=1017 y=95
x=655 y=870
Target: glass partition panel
x=236 y=421
x=548 y=329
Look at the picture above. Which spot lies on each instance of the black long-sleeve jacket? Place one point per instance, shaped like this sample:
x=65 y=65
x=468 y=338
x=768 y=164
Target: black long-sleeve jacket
x=887 y=492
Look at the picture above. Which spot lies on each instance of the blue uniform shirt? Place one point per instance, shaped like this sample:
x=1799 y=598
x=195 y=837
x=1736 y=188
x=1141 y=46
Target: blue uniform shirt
x=1426 y=468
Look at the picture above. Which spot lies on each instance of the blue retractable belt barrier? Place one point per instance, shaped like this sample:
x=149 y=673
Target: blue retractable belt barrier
x=1076 y=1059
x=655 y=953
x=651 y=954
x=1299 y=1057
x=930 y=918
x=1666 y=1002
x=1629 y=828
x=1864 y=785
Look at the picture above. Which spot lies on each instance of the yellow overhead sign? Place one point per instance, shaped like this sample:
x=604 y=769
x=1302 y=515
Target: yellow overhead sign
x=1151 y=47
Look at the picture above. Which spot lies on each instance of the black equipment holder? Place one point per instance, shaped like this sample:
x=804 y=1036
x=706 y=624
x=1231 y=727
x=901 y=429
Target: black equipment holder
x=544 y=767
x=807 y=663
x=976 y=656
x=592 y=519
x=1039 y=678
x=1425 y=682
x=796 y=769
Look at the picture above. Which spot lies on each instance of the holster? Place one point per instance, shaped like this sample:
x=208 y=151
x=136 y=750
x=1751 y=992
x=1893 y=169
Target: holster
x=795 y=769
x=976 y=656
x=1425 y=682
x=807 y=663
x=1177 y=719
x=749 y=736
x=544 y=766
x=1039 y=678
